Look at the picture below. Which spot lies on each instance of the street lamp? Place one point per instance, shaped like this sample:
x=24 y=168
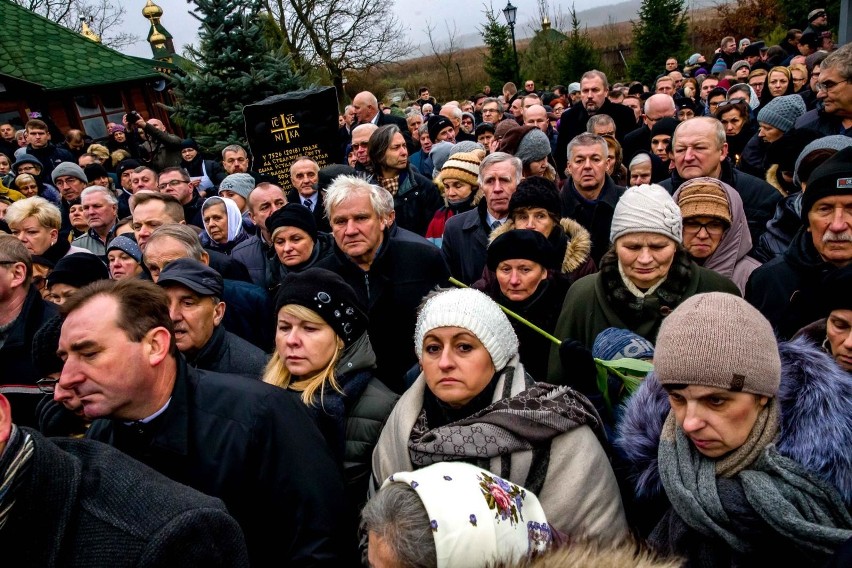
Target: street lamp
x=511 y=13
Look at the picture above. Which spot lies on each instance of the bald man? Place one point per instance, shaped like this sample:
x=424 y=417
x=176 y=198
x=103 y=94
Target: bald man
x=367 y=111
x=657 y=107
x=164 y=147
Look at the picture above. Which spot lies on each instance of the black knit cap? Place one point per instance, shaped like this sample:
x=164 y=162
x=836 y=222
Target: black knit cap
x=832 y=177
x=124 y=165
x=664 y=126
x=436 y=124
x=536 y=191
x=293 y=215
x=77 y=270
x=44 y=346
x=95 y=171
x=521 y=244
x=834 y=291
x=189 y=143
x=328 y=174
x=327 y=294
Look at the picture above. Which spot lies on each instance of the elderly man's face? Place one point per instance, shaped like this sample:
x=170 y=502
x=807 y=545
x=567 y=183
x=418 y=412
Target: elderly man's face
x=144 y=180
x=536 y=116
x=303 y=175
x=235 y=162
x=499 y=182
x=357 y=228
x=587 y=166
x=830 y=225
x=100 y=214
x=671 y=64
x=696 y=150
x=361 y=145
x=836 y=93
x=593 y=93
x=194 y=317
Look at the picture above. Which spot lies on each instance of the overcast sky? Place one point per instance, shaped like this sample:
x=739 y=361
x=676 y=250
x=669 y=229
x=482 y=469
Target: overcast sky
x=413 y=14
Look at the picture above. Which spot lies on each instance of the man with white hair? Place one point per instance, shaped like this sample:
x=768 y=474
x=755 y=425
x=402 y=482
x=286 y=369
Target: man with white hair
x=390 y=270
x=100 y=209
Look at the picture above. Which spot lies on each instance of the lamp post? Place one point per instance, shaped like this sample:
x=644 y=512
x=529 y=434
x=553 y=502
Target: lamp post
x=511 y=13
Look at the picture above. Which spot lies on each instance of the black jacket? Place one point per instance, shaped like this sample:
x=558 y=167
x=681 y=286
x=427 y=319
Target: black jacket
x=574 y=121
x=637 y=141
x=416 y=201
x=50 y=156
x=403 y=272
x=319 y=209
x=227 y=353
x=255 y=447
x=759 y=198
x=249 y=314
x=784 y=289
x=824 y=123
x=18 y=373
x=599 y=221
x=95 y=506
x=780 y=230
x=465 y=244
x=192 y=211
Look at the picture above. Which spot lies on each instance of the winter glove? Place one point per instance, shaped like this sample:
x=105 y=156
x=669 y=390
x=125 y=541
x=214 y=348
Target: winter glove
x=578 y=366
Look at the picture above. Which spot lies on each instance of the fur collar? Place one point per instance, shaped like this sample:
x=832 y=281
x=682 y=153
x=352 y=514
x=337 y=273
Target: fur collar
x=577 y=248
x=626 y=304
x=816 y=420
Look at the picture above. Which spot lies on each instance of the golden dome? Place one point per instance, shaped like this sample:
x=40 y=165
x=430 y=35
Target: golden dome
x=151 y=10
x=157 y=37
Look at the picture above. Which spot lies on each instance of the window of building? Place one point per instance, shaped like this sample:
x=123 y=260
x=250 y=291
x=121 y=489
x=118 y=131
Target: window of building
x=96 y=110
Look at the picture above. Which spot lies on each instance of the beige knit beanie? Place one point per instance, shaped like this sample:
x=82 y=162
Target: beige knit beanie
x=718 y=340
x=463 y=166
x=704 y=198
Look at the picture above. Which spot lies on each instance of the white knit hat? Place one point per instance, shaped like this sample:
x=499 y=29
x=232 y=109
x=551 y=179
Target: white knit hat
x=474 y=311
x=477 y=518
x=646 y=208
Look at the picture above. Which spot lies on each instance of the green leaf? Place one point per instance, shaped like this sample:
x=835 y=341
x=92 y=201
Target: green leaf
x=641 y=367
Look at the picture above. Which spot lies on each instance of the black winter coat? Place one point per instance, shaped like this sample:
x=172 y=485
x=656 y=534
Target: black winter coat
x=416 y=201
x=18 y=373
x=403 y=272
x=50 y=156
x=759 y=198
x=465 y=244
x=780 y=230
x=255 y=447
x=599 y=222
x=227 y=353
x=574 y=121
x=95 y=506
x=784 y=288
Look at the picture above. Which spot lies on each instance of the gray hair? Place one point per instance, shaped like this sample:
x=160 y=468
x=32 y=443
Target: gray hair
x=456 y=111
x=497 y=158
x=718 y=129
x=344 y=187
x=233 y=148
x=494 y=100
x=599 y=120
x=841 y=60
x=362 y=127
x=108 y=195
x=183 y=234
x=398 y=517
x=587 y=139
x=640 y=158
x=594 y=73
x=424 y=129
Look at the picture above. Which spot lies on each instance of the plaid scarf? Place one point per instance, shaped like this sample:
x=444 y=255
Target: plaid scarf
x=14 y=461
x=390 y=184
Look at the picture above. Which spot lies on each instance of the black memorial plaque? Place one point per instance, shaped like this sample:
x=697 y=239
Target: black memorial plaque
x=283 y=127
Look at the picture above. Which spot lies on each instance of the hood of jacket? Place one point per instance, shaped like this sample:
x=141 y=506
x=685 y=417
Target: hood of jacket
x=736 y=242
x=815 y=400
x=577 y=249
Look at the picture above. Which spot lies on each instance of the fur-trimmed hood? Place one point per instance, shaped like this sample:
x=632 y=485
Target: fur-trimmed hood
x=816 y=420
x=577 y=249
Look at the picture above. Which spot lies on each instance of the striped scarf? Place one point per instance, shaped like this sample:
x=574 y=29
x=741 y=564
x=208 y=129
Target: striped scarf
x=14 y=461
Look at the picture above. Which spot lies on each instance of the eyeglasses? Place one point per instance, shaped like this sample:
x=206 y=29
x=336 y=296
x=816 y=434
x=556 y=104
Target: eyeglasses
x=173 y=183
x=360 y=145
x=828 y=85
x=47 y=385
x=713 y=228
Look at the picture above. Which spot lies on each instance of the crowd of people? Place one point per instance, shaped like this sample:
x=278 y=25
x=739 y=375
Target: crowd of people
x=402 y=361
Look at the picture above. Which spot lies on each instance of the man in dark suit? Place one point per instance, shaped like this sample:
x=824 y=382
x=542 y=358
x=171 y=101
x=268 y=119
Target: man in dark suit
x=247 y=442
x=304 y=175
x=367 y=112
x=95 y=506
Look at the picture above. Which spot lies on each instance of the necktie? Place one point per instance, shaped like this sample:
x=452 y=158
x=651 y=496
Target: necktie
x=495 y=224
x=308 y=204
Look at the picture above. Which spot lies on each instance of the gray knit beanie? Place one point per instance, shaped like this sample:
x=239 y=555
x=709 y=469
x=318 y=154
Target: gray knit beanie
x=834 y=142
x=240 y=183
x=646 y=208
x=718 y=340
x=68 y=169
x=440 y=153
x=782 y=112
x=471 y=310
x=534 y=146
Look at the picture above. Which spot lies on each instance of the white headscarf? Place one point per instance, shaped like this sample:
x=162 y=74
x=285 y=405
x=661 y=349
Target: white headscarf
x=235 y=218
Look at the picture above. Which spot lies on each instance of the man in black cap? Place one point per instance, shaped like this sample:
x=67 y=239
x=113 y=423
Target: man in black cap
x=195 y=291
x=124 y=171
x=247 y=442
x=71 y=273
x=822 y=246
x=441 y=129
x=752 y=54
x=817 y=22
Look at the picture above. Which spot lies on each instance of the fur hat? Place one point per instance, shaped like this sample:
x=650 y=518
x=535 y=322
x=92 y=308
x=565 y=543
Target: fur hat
x=536 y=191
x=68 y=169
x=646 y=208
x=521 y=244
x=703 y=197
x=782 y=112
x=464 y=167
x=327 y=294
x=471 y=310
x=95 y=171
x=718 y=340
x=832 y=177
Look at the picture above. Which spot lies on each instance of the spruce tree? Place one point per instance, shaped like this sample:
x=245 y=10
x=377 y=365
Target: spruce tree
x=235 y=67
x=578 y=54
x=500 y=60
x=659 y=34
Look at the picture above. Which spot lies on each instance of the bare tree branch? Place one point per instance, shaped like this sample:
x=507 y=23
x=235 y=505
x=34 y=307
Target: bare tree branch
x=103 y=16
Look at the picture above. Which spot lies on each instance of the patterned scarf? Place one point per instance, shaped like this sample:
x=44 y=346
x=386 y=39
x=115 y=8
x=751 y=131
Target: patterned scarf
x=14 y=462
x=529 y=419
x=787 y=497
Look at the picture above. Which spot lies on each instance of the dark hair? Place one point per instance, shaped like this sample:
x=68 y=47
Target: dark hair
x=813 y=160
x=14 y=250
x=738 y=105
x=380 y=141
x=142 y=306
x=715 y=92
x=184 y=175
x=173 y=207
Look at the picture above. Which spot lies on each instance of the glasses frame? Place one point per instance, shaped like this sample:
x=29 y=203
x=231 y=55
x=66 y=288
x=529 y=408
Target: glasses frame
x=705 y=227
x=822 y=86
x=47 y=385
